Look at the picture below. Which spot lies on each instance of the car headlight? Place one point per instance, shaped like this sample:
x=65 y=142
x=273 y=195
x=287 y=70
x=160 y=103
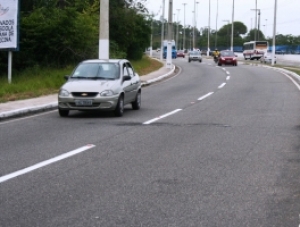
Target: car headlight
x=63 y=92
x=107 y=93
x=222 y=59
x=234 y=59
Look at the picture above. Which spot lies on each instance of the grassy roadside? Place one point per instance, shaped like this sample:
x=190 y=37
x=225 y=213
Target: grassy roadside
x=36 y=81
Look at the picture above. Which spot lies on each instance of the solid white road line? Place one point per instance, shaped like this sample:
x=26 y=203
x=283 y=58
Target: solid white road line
x=205 y=96
x=222 y=85
x=160 y=117
x=45 y=163
x=294 y=82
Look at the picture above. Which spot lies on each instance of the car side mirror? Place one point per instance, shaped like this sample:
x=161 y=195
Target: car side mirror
x=126 y=77
x=66 y=77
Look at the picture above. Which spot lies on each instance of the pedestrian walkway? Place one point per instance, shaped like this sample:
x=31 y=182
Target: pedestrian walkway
x=34 y=105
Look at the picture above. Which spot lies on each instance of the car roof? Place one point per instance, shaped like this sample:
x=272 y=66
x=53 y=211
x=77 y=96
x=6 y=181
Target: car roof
x=104 y=61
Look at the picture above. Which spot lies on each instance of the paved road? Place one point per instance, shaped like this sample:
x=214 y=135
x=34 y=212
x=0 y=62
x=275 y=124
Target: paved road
x=213 y=146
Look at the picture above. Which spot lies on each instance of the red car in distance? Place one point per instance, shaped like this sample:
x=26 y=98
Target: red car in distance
x=227 y=57
x=180 y=53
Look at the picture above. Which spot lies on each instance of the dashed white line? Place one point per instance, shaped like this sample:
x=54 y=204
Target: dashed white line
x=205 y=96
x=160 y=117
x=45 y=163
x=222 y=85
x=228 y=78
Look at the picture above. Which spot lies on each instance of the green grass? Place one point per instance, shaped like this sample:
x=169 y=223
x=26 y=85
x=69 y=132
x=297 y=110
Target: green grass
x=37 y=81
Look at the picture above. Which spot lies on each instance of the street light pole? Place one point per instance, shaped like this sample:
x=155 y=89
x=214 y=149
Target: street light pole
x=194 y=24
x=184 y=26
x=255 y=20
x=162 y=30
x=258 y=24
x=208 y=29
x=256 y=30
x=232 y=19
x=216 y=24
x=104 y=30
x=177 y=44
x=274 y=33
x=169 y=45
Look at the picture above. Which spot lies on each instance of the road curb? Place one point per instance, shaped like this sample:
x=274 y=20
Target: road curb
x=147 y=82
x=29 y=110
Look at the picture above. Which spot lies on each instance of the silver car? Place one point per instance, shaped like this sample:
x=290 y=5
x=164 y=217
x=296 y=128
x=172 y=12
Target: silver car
x=267 y=59
x=100 y=85
x=194 y=56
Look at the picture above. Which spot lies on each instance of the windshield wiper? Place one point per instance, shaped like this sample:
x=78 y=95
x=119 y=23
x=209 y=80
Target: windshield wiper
x=100 y=78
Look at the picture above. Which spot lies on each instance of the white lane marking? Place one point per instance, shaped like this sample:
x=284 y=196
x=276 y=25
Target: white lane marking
x=222 y=85
x=205 y=96
x=160 y=117
x=45 y=163
x=228 y=73
x=228 y=78
x=297 y=85
x=224 y=69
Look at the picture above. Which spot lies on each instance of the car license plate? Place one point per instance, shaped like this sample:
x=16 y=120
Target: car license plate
x=84 y=102
x=228 y=61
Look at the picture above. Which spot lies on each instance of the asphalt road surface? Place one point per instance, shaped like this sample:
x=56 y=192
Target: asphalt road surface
x=212 y=146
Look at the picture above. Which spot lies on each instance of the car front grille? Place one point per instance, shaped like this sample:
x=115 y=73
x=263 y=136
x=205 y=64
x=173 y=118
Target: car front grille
x=72 y=104
x=84 y=94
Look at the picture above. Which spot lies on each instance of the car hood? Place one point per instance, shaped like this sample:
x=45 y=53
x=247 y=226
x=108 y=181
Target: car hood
x=89 y=85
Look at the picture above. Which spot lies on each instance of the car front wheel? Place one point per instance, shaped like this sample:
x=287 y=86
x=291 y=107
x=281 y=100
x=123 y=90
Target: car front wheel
x=136 y=104
x=120 y=107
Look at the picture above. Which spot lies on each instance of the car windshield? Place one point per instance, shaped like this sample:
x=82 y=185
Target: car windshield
x=227 y=53
x=106 y=71
x=194 y=53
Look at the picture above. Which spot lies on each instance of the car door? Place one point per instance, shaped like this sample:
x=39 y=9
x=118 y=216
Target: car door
x=127 y=85
x=135 y=79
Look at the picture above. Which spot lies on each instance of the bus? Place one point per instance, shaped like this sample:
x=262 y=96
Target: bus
x=255 y=49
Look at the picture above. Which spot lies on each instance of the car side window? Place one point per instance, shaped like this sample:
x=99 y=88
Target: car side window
x=125 y=71
x=130 y=70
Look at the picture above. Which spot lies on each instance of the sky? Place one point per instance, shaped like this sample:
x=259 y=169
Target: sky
x=287 y=17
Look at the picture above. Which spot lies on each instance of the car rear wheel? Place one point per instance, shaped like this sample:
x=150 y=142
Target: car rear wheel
x=136 y=105
x=120 y=107
x=63 y=113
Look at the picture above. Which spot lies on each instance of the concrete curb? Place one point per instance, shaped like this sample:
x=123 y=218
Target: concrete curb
x=25 y=111
x=147 y=82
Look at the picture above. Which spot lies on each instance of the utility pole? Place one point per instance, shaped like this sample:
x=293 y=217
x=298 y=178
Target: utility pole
x=104 y=30
x=274 y=33
x=258 y=24
x=194 y=24
x=255 y=26
x=256 y=34
x=216 y=34
x=169 y=45
x=177 y=44
x=162 y=30
x=184 y=26
x=232 y=19
x=208 y=29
